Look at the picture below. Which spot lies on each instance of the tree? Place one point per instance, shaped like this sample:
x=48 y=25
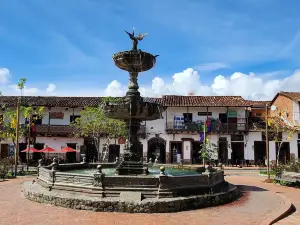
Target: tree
x=279 y=125
x=208 y=150
x=9 y=122
x=93 y=123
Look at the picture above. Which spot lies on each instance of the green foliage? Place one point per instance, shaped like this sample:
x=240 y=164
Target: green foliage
x=278 y=126
x=9 y=118
x=9 y=123
x=93 y=123
x=4 y=167
x=208 y=150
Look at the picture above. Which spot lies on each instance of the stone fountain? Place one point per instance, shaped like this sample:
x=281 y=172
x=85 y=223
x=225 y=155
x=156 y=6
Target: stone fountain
x=129 y=186
x=133 y=108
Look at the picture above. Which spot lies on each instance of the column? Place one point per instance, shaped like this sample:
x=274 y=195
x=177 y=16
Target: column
x=187 y=149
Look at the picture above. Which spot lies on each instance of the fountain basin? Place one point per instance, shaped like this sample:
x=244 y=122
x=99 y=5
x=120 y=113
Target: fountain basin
x=145 y=111
x=79 y=186
x=134 y=61
x=153 y=186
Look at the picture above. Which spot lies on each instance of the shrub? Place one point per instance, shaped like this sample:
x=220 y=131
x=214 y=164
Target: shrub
x=4 y=167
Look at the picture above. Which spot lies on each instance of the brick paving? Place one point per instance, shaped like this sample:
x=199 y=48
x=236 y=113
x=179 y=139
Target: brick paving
x=255 y=206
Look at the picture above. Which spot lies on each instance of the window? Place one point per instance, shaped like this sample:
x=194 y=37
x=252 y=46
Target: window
x=204 y=113
x=73 y=118
x=188 y=117
x=237 y=137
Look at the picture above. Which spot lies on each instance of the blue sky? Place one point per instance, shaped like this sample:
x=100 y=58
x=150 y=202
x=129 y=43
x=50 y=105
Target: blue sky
x=70 y=43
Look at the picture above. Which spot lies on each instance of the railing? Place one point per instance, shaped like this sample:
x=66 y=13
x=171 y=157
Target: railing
x=214 y=128
x=161 y=184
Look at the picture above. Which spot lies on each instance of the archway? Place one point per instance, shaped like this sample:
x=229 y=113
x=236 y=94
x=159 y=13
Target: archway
x=157 y=148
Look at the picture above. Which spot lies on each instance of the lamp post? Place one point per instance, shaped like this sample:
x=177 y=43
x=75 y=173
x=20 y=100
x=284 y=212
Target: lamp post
x=267 y=144
x=28 y=144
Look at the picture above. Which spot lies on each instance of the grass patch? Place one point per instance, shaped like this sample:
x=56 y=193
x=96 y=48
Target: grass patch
x=10 y=175
x=272 y=173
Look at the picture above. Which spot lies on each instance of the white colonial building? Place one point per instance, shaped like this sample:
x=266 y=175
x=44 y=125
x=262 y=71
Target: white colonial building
x=176 y=137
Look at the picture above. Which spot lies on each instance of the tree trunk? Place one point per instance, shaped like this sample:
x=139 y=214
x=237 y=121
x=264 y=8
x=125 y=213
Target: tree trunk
x=98 y=146
x=278 y=153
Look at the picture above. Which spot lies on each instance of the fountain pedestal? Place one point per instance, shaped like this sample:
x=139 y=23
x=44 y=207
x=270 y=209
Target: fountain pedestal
x=133 y=109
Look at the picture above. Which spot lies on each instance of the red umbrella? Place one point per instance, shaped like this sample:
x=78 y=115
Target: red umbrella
x=31 y=150
x=68 y=149
x=48 y=150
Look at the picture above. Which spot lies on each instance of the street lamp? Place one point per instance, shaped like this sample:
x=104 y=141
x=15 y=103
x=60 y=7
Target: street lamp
x=273 y=108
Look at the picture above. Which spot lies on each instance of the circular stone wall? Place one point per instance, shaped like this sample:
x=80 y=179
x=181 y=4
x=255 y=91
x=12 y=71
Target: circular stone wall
x=35 y=192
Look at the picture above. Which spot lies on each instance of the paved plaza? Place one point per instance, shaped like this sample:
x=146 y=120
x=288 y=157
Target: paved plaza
x=258 y=204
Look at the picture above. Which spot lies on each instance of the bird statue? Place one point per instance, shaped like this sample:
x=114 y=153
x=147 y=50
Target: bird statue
x=136 y=39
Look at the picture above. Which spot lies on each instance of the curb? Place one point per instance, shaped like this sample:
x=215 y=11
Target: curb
x=278 y=214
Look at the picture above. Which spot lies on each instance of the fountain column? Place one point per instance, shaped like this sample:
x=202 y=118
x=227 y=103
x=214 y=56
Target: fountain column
x=133 y=109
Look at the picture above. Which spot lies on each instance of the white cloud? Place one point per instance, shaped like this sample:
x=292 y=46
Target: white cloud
x=249 y=86
x=15 y=90
x=258 y=86
x=51 y=88
x=211 y=66
x=4 y=75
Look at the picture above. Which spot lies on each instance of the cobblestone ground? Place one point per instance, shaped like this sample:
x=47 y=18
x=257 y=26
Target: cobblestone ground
x=255 y=205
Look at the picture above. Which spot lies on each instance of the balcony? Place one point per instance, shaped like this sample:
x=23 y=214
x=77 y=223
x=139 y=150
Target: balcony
x=257 y=123
x=213 y=128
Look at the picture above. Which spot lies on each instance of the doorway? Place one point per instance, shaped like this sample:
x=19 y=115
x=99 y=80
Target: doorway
x=237 y=152
x=222 y=151
x=4 y=153
x=71 y=156
x=157 y=149
x=113 y=152
x=223 y=117
x=195 y=153
x=298 y=145
x=22 y=155
x=176 y=151
x=284 y=153
x=259 y=152
x=91 y=152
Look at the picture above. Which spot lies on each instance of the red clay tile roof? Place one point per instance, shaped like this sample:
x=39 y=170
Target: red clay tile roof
x=295 y=96
x=260 y=104
x=51 y=101
x=292 y=95
x=204 y=101
x=167 y=100
x=54 y=129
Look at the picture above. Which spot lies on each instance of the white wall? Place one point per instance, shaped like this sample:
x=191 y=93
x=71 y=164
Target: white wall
x=65 y=120
x=249 y=140
x=296 y=113
x=57 y=142
x=293 y=146
x=156 y=126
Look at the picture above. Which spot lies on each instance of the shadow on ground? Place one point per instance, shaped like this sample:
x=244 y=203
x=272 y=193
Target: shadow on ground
x=250 y=188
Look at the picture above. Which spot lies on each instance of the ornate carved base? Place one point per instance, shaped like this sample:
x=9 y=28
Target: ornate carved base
x=132 y=168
